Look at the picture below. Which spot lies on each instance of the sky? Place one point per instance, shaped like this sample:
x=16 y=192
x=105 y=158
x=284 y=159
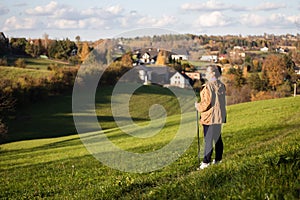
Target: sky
x=96 y=19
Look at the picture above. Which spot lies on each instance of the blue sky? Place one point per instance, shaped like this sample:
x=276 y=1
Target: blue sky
x=94 y=19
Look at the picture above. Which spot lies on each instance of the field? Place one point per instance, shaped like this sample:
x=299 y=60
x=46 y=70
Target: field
x=35 y=68
x=36 y=63
x=12 y=73
x=45 y=158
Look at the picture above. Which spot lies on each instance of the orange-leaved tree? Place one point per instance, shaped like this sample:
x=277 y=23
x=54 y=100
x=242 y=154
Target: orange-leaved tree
x=275 y=69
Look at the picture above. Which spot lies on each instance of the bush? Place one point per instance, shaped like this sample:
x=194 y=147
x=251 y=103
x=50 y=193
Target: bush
x=20 y=62
x=283 y=90
x=3 y=131
x=238 y=95
x=261 y=95
x=3 y=62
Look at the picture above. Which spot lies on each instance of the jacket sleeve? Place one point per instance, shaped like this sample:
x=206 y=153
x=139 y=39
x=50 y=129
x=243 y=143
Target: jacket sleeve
x=205 y=103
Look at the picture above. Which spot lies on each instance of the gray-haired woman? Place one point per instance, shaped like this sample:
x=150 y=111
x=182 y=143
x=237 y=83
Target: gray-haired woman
x=212 y=108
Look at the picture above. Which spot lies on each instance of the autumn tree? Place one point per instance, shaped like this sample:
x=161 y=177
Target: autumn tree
x=275 y=70
x=256 y=65
x=162 y=57
x=127 y=60
x=84 y=51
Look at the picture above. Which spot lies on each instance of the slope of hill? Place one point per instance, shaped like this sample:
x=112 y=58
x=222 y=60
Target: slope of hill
x=261 y=161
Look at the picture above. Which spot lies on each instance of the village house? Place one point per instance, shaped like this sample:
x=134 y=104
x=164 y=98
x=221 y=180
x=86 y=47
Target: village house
x=209 y=58
x=150 y=74
x=264 y=49
x=193 y=75
x=146 y=56
x=180 y=54
x=180 y=80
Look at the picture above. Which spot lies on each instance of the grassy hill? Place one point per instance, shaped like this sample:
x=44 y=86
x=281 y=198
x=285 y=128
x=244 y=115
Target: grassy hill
x=12 y=73
x=261 y=158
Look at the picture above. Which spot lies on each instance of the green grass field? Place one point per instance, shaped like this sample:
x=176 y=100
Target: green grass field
x=37 y=63
x=45 y=158
x=35 y=68
x=12 y=73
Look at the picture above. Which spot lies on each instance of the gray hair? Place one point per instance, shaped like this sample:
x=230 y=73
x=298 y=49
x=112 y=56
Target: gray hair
x=216 y=70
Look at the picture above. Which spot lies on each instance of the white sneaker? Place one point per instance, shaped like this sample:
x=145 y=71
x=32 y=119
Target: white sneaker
x=214 y=162
x=203 y=166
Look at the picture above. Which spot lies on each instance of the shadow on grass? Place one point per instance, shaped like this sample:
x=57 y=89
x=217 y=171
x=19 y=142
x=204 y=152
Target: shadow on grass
x=54 y=118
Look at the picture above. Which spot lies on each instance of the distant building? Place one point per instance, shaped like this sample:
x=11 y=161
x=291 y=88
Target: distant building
x=238 y=48
x=234 y=54
x=209 y=58
x=222 y=56
x=146 y=56
x=264 y=49
x=180 y=54
x=153 y=74
x=180 y=80
x=193 y=75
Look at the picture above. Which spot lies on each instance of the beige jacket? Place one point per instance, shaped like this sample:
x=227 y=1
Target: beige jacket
x=212 y=106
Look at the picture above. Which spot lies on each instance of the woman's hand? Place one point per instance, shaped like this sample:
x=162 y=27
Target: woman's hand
x=196 y=105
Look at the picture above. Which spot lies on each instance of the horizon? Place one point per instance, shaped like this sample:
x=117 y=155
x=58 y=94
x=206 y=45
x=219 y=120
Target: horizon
x=95 y=20
x=159 y=35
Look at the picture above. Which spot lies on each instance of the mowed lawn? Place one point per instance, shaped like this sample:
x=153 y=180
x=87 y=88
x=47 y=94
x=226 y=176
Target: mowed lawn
x=45 y=158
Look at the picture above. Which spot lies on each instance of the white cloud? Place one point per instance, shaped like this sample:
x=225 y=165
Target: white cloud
x=60 y=11
x=128 y=19
x=66 y=17
x=67 y=13
x=103 y=13
x=267 y=6
x=214 y=19
x=276 y=20
x=14 y=23
x=294 y=19
x=253 y=20
x=3 y=10
x=165 y=20
x=210 y=5
x=89 y=23
x=116 y=10
x=64 y=24
x=49 y=9
x=213 y=5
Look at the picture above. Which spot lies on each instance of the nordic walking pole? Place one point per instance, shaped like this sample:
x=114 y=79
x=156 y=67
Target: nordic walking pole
x=198 y=136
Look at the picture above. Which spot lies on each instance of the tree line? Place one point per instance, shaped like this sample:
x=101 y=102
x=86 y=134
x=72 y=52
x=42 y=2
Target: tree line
x=66 y=50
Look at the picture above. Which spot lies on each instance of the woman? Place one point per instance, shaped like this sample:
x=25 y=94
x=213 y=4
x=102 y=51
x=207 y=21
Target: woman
x=212 y=107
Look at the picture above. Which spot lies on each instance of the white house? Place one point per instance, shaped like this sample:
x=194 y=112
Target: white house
x=264 y=49
x=180 y=80
x=179 y=54
x=147 y=56
x=209 y=58
x=179 y=57
x=153 y=75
